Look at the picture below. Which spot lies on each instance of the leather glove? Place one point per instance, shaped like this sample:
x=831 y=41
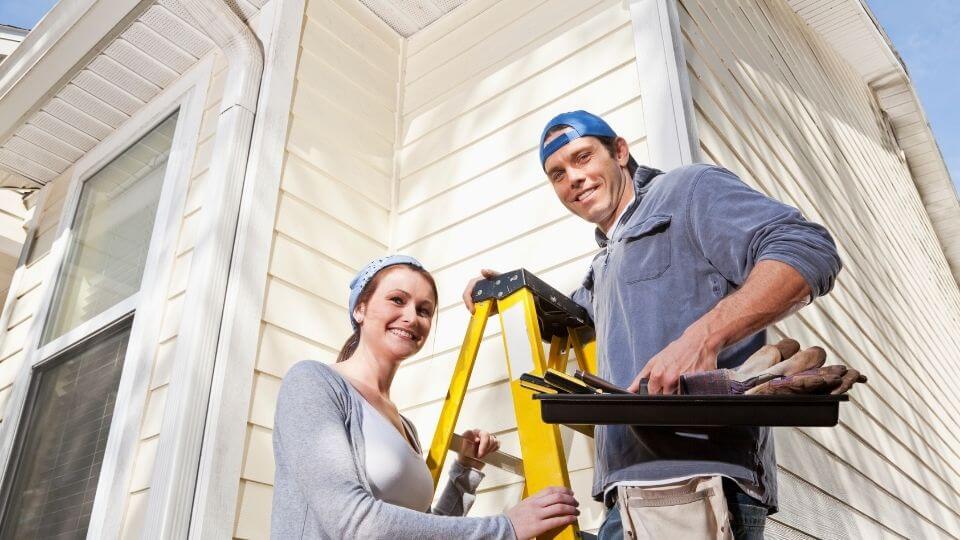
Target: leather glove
x=766 y=357
x=824 y=380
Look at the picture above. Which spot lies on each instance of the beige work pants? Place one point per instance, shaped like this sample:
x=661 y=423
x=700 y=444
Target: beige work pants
x=690 y=509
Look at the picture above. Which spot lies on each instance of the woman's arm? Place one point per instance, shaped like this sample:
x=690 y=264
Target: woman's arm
x=313 y=452
x=460 y=492
x=465 y=475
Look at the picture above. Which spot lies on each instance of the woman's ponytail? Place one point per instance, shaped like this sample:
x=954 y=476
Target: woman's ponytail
x=350 y=346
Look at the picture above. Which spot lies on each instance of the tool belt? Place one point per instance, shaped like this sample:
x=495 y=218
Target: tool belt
x=693 y=509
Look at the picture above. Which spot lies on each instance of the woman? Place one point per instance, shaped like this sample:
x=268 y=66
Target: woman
x=348 y=465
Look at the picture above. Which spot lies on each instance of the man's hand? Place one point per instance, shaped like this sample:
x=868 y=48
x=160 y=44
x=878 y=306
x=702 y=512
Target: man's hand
x=690 y=353
x=486 y=273
x=772 y=291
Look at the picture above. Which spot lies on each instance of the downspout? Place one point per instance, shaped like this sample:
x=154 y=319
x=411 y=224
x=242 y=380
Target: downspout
x=174 y=477
x=668 y=112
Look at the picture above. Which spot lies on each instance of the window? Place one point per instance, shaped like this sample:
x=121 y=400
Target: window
x=111 y=233
x=63 y=437
x=53 y=473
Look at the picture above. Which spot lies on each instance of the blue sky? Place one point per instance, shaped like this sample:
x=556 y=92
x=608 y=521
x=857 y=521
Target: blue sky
x=926 y=33
x=23 y=13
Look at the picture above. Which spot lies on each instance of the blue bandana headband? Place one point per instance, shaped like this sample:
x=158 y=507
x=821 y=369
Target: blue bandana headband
x=364 y=276
x=582 y=124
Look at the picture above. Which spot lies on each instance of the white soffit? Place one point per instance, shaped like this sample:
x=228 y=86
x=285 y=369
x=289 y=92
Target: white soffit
x=850 y=29
x=129 y=70
x=409 y=16
x=854 y=33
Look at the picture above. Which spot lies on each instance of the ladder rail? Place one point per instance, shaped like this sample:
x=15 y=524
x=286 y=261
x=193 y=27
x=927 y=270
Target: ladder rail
x=516 y=298
x=458 y=389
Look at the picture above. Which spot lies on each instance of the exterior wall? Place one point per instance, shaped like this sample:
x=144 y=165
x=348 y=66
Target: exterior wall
x=12 y=215
x=476 y=87
x=479 y=86
x=775 y=104
x=444 y=167
x=29 y=290
x=140 y=478
x=333 y=214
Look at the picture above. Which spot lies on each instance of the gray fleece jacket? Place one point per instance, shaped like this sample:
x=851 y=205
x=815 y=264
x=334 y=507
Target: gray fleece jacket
x=321 y=488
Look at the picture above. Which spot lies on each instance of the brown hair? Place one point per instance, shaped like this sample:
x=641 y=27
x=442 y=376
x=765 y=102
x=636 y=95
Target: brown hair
x=350 y=346
x=610 y=143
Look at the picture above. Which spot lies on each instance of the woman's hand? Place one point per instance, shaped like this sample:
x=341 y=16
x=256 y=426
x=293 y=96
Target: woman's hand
x=547 y=509
x=476 y=444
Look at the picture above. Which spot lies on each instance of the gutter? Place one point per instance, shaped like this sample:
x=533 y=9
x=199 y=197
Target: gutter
x=175 y=470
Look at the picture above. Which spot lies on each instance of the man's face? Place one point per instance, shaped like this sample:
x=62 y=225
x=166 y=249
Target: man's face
x=588 y=180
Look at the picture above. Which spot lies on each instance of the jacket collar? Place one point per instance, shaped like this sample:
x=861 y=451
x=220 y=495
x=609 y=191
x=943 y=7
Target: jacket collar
x=641 y=183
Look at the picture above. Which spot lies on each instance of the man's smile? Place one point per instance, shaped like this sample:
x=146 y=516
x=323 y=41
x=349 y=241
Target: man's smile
x=586 y=194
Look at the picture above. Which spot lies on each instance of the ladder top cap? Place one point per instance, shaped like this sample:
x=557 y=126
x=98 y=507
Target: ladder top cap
x=557 y=312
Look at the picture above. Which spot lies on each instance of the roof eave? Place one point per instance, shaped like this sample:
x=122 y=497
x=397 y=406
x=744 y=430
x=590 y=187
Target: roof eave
x=70 y=33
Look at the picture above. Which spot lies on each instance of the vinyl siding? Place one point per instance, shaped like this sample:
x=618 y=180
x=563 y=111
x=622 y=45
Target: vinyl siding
x=12 y=214
x=471 y=194
x=24 y=304
x=464 y=167
x=782 y=110
x=333 y=214
x=143 y=466
x=851 y=30
x=444 y=167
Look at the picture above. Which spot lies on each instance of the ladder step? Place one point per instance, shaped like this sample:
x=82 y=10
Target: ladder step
x=509 y=462
x=500 y=460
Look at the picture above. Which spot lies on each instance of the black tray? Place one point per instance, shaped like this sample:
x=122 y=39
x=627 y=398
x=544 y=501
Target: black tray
x=700 y=411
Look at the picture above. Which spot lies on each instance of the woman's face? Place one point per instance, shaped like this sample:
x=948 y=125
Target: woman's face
x=396 y=320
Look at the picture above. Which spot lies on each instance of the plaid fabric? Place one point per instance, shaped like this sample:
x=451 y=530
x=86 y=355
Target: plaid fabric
x=715 y=382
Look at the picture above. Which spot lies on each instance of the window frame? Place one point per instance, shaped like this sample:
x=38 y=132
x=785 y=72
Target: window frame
x=73 y=335
x=30 y=408
x=188 y=96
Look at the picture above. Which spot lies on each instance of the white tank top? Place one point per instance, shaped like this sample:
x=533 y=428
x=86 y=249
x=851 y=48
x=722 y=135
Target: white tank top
x=397 y=473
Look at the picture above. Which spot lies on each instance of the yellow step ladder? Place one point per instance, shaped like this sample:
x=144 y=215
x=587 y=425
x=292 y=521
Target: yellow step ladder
x=530 y=312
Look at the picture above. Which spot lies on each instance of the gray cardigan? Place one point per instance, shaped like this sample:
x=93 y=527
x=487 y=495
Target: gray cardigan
x=321 y=488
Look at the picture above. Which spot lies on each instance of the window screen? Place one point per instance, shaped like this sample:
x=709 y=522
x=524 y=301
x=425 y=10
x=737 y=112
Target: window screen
x=111 y=233
x=62 y=439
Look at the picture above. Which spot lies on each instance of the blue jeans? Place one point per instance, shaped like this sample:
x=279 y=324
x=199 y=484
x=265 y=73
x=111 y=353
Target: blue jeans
x=747 y=515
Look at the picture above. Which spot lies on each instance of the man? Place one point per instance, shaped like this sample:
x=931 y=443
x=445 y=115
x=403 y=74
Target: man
x=693 y=266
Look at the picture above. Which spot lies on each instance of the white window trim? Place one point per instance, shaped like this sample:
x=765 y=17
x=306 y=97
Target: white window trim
x=188 y=94
x=671 y=126
x=87 y=328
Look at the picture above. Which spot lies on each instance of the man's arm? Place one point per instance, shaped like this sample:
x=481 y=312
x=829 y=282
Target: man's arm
x=775 y=258
x=773 y=290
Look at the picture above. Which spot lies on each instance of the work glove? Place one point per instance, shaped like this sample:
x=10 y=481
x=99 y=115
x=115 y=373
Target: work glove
x=831 y=380
x=767 y=357
x=777 y=369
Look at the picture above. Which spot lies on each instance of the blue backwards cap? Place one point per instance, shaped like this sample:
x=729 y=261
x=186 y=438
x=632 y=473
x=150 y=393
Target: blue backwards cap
x=583 y=123
x=364 y=276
